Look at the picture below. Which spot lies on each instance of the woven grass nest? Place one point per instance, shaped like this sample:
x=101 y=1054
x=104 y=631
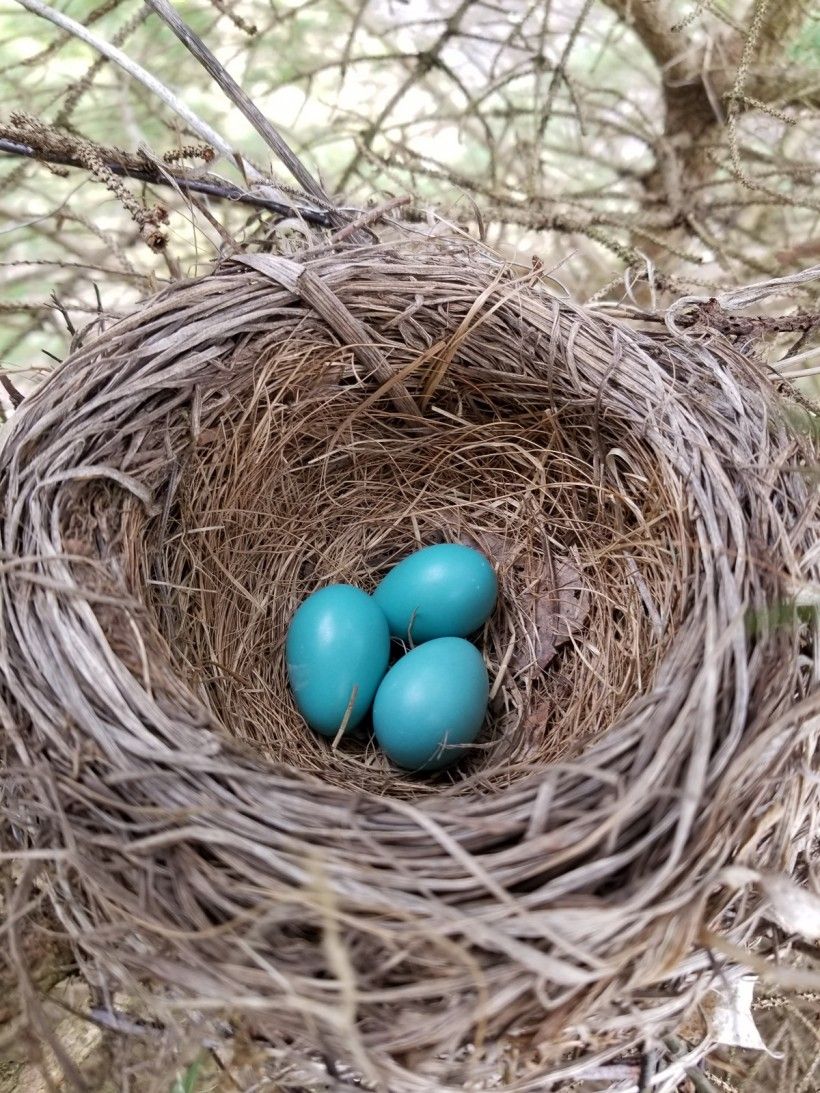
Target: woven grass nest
x=540 y=913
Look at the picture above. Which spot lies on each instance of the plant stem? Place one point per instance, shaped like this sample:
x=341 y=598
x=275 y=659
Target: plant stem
x=192 y=120
x=234 y=92
x=224 y=191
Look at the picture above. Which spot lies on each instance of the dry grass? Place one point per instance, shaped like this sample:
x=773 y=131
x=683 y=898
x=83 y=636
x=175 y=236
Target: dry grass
x=191 y=472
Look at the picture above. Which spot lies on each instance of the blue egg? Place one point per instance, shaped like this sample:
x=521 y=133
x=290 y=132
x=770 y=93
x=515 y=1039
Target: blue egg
x=338 y=646
x=441 y=591
x=431 y=704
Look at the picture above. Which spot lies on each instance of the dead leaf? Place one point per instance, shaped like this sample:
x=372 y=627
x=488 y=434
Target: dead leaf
x=557 y=609
x=556 y=604
x=794 y=908
x=499 y=549
x=728 y=1012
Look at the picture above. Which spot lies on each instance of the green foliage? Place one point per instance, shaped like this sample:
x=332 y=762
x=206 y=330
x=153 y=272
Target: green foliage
x=786 y=615
x=187 y=1082
x=807 y=47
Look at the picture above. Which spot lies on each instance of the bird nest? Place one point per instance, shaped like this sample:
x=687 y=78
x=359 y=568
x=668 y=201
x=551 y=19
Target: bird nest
x=560 y=898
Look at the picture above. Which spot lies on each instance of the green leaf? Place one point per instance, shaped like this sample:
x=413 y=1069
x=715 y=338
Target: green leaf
x=787 y=615
x=186 y=1083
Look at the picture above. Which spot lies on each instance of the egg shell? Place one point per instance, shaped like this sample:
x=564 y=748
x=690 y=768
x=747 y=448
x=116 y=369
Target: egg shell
x=431 y=704
x=446 y=590
x=338 y=640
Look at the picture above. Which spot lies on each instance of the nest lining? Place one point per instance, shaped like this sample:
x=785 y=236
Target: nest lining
x=317 y=491
x=191 y=473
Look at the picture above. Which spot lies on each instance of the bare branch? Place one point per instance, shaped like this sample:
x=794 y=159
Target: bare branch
x=143 y=171
x=779 y=24
x=77 y=30
x=423 y=64
x=661 y=39
x=15 y=398
x=269 y=134
x=164 y=94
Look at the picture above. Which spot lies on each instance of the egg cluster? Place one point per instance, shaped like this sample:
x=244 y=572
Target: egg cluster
x=432 y=702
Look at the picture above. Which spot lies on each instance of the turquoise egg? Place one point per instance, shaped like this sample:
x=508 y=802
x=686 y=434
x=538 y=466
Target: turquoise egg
x=441 y=591
x=338 y=643
x=431 y=704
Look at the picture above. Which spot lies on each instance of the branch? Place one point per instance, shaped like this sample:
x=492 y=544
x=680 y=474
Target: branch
x=234 y=92
x=164 y=94
x=192 y=120
x=425 y=61
x=712 y=314
x=766 y=42
x=779 y=25
x=15 y=398
x=692 y=104
x=142 y=171
x=666 y=45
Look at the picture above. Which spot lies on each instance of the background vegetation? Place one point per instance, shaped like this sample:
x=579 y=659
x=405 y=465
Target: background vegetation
x=674 y=143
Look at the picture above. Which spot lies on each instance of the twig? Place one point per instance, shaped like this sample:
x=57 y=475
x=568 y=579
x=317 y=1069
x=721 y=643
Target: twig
x=712 y=314
x=362 y=222
x=234 y=92
x=35 y=1017
x=698 y=1079
x=15 y=398
x=192 y=120
x=424 y=63
x=560 y=72
x=370 y=217
x=63 y=311
x=648 y=1064
x=224 y=191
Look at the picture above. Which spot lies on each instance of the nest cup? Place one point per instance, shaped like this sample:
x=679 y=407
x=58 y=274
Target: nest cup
x=192 y=472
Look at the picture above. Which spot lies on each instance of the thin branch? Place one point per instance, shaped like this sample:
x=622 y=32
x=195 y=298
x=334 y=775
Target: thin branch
x=664 y=42
x=192 y=120
x=350 y=230
x=15 y=398
x=164 y=94
x=780 y=25
x=424 y=63
x=712 y=314
x=370 y=217
x=143 y=172
x=560 y=72
x=234 y=92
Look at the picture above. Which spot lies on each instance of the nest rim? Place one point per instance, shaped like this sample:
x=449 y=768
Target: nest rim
x=564 y=887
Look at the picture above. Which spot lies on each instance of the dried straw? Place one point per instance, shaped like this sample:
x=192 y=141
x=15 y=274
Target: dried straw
x=193 y=471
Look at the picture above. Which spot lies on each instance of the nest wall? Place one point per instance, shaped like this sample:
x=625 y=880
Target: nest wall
x=191 y=472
